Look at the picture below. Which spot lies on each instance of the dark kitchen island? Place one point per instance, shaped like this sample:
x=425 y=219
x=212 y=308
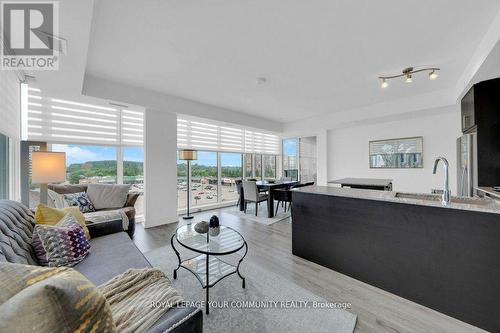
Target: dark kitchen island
x=445 y=258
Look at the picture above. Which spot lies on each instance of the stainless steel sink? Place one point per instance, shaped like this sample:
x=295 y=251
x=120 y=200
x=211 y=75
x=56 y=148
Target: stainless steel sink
x=437 y=197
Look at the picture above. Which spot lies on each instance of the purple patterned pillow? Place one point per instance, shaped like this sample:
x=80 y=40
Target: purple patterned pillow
x=63 y=244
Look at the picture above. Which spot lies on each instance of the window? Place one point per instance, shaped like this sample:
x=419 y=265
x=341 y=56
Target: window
x=133 y=174
x=103 y=143
x=200 y=135
x=225 y=153
x=230 y=170
x=269 y=166
x=248 y=166
x=56 y=120
x=204 y=179
x=33 y=189
x=89 y=164
x=257 y=162
x=4 y=167
x=181 y=184
x=290 y=158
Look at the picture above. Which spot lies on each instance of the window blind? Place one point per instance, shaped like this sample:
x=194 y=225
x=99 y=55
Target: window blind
x=58 y=120
x=199 y=135
x=10 y=104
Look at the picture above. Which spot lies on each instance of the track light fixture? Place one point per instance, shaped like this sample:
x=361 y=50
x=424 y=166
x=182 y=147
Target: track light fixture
x=407 y=73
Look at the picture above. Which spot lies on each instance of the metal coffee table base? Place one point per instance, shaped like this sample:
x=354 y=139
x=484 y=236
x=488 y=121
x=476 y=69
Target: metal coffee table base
x=209 y=269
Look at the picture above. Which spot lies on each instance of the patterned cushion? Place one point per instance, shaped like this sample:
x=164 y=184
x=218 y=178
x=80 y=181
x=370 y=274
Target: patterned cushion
x=47 y=215
x=42 y=299
x=63 y=244
x=80 y=199
x=16 y=229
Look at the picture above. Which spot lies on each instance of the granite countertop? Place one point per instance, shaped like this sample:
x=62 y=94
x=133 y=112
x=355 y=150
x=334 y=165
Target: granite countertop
x=362 y=181
x=486 y=205
x=489 y=191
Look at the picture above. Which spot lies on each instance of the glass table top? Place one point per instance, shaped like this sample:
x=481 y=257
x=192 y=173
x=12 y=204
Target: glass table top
x=217 y=270
x=227 y=241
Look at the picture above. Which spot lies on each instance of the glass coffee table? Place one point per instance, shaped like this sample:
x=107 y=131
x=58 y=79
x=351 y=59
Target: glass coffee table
x=208 y=268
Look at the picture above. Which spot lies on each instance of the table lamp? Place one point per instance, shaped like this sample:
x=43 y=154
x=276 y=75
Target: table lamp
x=188 y=155
x=47 y=167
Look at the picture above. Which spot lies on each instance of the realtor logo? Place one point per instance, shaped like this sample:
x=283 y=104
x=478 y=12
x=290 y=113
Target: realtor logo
x=29 y=31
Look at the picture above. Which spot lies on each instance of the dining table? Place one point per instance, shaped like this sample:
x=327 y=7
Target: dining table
x=269 y=186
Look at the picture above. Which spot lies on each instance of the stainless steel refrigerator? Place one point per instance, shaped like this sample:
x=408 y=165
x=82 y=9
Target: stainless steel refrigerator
x=467 y=165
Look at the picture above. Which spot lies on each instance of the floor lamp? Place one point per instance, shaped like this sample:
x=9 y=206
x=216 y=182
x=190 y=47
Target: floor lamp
x=188 y=155
x=47 y=167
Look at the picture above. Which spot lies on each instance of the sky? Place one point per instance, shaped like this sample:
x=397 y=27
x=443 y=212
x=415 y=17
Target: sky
x=290 y=147
x=82 y=154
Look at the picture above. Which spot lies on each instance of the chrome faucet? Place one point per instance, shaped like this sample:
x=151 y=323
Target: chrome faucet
x=445 y=199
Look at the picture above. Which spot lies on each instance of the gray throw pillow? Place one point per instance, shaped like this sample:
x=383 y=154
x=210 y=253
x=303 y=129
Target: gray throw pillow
x=40 y=299
x=81 y=200
x=108 y=196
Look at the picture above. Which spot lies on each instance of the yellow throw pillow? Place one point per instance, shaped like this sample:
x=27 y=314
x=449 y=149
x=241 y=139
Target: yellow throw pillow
x=47 y=215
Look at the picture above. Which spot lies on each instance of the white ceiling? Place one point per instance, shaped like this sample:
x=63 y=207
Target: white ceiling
x=319 y=56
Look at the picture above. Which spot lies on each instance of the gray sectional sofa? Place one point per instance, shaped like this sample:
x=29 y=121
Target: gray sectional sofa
x=110 y=255
x=111 y=226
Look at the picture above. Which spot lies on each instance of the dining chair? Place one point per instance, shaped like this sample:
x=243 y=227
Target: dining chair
x=239 y=186
x=252 y=194
x=286 y=179
x=283 y=195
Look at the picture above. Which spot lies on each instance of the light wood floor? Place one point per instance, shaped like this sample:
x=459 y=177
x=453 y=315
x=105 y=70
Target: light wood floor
x=270 y=247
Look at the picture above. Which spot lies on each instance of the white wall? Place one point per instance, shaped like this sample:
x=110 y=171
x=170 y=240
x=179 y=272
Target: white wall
x=160 y=168
x=10 y=125
x=10 y=104
x=348 y=150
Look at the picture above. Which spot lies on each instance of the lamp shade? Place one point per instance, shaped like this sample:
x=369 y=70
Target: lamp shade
x=48 y=167
x=188 y=155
